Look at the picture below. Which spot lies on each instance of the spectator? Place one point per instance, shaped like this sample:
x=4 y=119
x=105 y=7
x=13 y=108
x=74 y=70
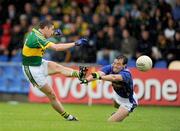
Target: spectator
x=111 y=21
x=112 y=47
x=103 y=11
x=128 y=44
x=170 y=31
x=81 y=26
x=44 y=12
x=176 y=11
x=176 y=43
x=58 y=13
x=144 y=46
x=93 y=19
x=96 y=25
x=161 y=51
x=164 y=7
x=121 y=8
x=73 y=15
x=23 y=23
x=100 y=40
x=12 y=14
x=122 y=24
x=135 y=13
x=2 y=16
x=5 y=39
x=16 y=41
x=87 y=14
x=34 y=20
x=37 y=5
x=66 y=25
x=28 y=11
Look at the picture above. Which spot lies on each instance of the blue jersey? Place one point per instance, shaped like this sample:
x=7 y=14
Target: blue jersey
x=123 y=88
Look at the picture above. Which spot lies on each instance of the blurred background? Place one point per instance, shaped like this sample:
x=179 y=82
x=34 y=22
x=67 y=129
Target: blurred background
x=130 y=27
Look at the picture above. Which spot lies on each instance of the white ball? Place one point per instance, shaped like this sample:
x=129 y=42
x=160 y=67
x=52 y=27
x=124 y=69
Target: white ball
x=144 y=63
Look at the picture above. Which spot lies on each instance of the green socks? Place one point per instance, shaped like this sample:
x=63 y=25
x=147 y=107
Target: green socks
x=68 y=116
x=65 y=115
x=75 y=74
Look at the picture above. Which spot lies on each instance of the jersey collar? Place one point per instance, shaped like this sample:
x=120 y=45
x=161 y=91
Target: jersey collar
x=37 y=32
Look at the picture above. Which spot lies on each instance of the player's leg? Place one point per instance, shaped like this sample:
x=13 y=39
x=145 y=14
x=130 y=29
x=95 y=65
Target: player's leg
x=46 y=89
x=124 y=107
x=52 y=97
x=37 y=76
x=115 y=104
x=54 y=68
x=119 y=115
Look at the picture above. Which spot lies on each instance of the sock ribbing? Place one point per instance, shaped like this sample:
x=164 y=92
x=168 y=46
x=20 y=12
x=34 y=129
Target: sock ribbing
x=65 y=115
x=75 y=74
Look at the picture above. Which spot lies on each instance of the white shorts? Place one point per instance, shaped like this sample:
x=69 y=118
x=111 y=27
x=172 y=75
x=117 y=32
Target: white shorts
x=37 y=75
x=125 y=103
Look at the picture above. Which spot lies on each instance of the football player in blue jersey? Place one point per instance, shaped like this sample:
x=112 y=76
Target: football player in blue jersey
x=122 y=83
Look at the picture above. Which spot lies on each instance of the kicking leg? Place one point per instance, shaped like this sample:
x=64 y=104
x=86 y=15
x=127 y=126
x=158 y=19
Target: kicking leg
x=55 y=103
x=120 y=115
x=54 y=68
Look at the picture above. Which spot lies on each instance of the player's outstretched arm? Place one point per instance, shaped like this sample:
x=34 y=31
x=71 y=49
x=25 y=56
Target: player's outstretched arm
x=90 y=77
x=110 y=77
x=65 y=46
x=61 y=46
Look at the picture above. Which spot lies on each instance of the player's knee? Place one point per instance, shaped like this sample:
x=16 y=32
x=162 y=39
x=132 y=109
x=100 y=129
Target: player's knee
x=58 y=68
x=116 y=105
x=55 y=67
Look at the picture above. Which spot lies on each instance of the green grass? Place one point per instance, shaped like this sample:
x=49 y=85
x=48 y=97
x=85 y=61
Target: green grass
x=41 y=117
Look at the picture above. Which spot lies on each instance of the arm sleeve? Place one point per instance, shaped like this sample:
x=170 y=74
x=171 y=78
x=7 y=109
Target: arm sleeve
x=49 y=44
x=43 y=42
x=125 y=75
x=106 y=69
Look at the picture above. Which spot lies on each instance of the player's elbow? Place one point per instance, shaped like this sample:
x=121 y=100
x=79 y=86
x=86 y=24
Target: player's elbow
x=116 y=78
x=55 y=47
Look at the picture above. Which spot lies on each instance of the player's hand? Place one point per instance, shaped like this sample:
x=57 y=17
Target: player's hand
x=58 y=32
x=96 y=75
x=81 y=41
x=84 y=81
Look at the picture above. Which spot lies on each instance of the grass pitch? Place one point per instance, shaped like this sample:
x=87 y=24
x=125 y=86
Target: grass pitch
x=41 y=117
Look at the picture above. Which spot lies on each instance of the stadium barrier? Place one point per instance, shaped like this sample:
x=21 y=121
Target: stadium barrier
x=155 y=87
x=12 y=80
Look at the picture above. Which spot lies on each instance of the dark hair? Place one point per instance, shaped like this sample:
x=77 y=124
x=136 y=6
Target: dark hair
x=45 y=23
x=125 y=59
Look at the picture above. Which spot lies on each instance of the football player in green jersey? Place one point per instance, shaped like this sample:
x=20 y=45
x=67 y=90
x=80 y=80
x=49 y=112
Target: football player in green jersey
x=37 y=69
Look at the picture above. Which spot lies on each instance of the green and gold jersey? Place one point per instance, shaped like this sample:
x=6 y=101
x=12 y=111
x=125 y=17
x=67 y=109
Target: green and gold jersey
x=34 y=48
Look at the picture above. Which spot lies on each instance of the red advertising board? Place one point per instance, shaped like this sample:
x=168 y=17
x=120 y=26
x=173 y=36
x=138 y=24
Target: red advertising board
x=155 y=87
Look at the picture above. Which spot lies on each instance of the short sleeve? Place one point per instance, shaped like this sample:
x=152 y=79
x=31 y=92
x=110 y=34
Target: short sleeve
x=44 y=43
x=126 y=76
x=106 y=69
x=49 y=44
